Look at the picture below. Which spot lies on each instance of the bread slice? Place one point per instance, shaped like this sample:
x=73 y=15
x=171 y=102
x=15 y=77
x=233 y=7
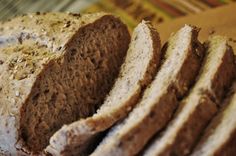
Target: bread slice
x=198 y=108
x=54 y=68
x=182 y=63
x=140 y=66
x=219 y=138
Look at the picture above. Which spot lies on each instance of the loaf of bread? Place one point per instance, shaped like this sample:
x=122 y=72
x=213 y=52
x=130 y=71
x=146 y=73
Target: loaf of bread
x=183 y=56
x=74 y=84
x=140 y=66
x=219 y=139
x=54 y=68
x=199 y=107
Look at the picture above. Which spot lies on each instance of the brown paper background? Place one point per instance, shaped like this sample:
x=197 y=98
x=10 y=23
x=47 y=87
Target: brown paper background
x=221 y=21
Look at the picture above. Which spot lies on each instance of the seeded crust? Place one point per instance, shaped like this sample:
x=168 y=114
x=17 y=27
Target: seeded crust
x=140 y=66
x=199 y=107
x=54 y=68
x=219 y=139
x=180 y=67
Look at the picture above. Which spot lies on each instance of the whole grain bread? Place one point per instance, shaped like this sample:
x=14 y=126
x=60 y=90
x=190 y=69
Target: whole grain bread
x=199 y=107
x=140 y=66
x=219 y=139
x=181 y=64
x=54 y=68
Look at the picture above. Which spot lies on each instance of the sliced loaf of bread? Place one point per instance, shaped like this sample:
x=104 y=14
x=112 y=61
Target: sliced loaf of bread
x=219 y=138
x=54 y=68
x=140 y=66
x=199 y=107
x=181 y=65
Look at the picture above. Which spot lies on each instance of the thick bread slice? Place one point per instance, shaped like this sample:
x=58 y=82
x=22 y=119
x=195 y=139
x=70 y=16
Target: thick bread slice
x=182 y=63
x=138 y=70
x=198 y=108
x=54 y=68
x=219 y=138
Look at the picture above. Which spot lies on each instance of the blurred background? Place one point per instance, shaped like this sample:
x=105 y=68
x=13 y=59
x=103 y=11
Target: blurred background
x=131 y=11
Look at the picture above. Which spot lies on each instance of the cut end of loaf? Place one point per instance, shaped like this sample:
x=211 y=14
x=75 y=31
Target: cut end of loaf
x=69 y=86
x=66 y=92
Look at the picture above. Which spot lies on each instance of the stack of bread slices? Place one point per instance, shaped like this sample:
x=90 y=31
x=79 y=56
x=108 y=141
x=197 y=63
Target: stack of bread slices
x=74 y=84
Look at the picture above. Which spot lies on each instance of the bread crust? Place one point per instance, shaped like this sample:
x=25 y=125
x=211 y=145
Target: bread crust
x=214 y=141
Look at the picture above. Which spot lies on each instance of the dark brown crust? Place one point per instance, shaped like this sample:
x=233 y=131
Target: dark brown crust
x=224 y=77
x=156 y=59
x=157 y=122
x=190 y=68
x=189 y=133
x=229 y=148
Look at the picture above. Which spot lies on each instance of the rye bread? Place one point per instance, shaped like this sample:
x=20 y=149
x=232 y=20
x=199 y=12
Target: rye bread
x=54 y=68
x=140 y=66
x=181 y=64
x=199 y=107
x=219 y=139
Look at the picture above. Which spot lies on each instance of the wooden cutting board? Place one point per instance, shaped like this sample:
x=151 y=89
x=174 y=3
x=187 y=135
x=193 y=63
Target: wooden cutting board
x=221 y=21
